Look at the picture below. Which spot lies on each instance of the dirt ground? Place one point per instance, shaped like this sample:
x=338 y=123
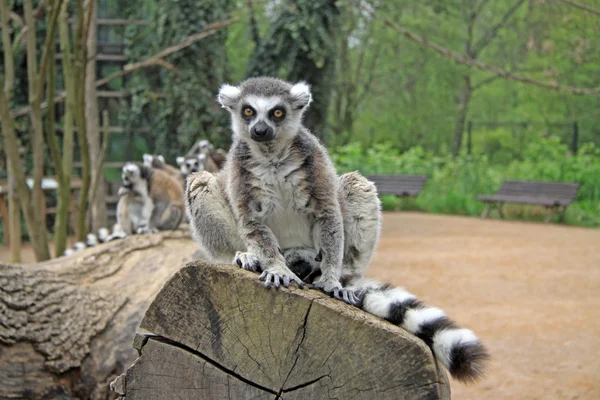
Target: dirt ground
x=530 y=291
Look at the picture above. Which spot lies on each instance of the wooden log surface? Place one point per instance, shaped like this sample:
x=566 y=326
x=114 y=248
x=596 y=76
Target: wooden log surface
x=215 y=332
x=66 y=325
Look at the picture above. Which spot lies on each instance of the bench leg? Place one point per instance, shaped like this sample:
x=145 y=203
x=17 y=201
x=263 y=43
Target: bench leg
x=560 y=210
x=500 y=206
x=563 y=211
x=486 y=212
x=551 y=212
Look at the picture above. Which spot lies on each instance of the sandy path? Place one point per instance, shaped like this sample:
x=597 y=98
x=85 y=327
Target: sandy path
x=530 y=291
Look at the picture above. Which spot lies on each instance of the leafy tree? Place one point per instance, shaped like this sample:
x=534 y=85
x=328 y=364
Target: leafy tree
x=301 y=45
x=178 y=103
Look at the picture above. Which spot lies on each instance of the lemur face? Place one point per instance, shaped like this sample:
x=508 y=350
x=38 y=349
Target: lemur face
x=265 y=109
x=205 y=147
x=131 y=174
x=154 y=161
x=191 y=164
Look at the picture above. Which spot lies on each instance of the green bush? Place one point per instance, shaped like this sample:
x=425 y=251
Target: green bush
x=455 y=182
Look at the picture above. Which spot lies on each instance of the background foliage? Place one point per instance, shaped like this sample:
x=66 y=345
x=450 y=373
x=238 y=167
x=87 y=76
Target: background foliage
x=383 y=103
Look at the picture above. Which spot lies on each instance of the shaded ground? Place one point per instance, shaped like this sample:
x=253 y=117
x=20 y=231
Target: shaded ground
x=530 y=291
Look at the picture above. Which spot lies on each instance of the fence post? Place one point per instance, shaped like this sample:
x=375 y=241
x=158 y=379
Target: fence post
x=575 y=144
x=469 y=143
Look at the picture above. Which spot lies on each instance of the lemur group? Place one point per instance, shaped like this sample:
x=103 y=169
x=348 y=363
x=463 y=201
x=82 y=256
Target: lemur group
x=278 y=207
x=151 y=195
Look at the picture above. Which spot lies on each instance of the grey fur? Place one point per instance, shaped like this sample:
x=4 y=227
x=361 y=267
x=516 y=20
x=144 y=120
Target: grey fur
x=281 y=194
x=278 y=206
x=135 y=206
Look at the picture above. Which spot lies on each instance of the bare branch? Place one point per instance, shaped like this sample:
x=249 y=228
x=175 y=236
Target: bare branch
x=493 y=31
x=484 y=82
x=253 y=24
x=149 y=62
x=9 y=61
x=582 y=6
x=478 y=64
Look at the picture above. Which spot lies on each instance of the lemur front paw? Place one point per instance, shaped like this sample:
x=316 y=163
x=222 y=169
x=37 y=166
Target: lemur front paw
x=333 y=287
x=122 y=191
x=279 y=274
x=142 y=230
x=247 y=261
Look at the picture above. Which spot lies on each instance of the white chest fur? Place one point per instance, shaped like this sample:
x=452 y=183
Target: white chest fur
x=282 y=200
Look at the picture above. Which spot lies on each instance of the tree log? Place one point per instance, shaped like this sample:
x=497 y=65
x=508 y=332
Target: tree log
x=66 y=325
x=66 y=328
x=215 y=332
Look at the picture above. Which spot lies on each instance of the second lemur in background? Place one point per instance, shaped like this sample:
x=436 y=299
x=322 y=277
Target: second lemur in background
x=143 y=185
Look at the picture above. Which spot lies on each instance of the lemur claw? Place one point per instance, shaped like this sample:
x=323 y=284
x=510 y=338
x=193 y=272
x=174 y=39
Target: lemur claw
x=247 y=261
x=275 y=278
x=335 y=290
x=142 y=230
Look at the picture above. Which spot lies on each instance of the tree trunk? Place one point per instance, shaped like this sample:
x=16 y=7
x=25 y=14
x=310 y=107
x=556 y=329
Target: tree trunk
x=14 y=218
x=217 y=333
x=67 y=324
x=464 y=98
x=97 y=197
x=38 y=238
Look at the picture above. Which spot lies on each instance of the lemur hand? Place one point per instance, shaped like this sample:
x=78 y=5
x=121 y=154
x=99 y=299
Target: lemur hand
x=278 y=273
x=332 y=286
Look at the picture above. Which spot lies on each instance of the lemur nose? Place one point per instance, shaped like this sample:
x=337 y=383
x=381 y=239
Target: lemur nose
x=260 y=131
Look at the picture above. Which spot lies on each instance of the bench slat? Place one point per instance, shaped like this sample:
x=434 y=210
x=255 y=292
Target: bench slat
x=400 y=185
x=533 y=192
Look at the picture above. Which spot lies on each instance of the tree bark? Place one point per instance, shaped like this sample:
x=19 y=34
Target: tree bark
x=14 y=208
x=92 y=115
x=14 y=218
x=464 y=98
x=216 y=332
x=67 y=324
x=38 y=238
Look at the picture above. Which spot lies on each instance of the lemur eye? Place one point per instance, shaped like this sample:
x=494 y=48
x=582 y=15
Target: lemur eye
x=248 y=111
x=278 y=113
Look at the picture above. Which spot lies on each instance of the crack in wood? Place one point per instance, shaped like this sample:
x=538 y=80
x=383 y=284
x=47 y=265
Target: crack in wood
x=210 y=361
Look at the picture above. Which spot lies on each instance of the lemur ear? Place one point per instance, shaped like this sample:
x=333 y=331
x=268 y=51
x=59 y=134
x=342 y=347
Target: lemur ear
x=161 y=159
x=147 y=159
x=180 y=161
x=229 y=96
x=301 y=96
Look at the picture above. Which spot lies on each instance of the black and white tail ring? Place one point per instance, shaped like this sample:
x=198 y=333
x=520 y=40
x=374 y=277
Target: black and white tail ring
x=458 y=349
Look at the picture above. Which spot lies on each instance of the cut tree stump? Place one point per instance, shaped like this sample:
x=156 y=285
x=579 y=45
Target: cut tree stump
x=66 y=325
x=215 y=332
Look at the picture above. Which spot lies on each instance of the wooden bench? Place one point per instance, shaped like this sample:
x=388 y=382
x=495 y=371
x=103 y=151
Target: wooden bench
x=555 y=196
x=399 y=185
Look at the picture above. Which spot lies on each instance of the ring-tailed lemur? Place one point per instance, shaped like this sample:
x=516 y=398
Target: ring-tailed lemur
x=190 y=164
x=158 y=162
x=159 y=192
x=279 y=207
x=213 y=160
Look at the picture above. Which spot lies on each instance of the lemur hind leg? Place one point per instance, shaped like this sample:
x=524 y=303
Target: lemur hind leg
x=361 y=211
x=211 y=220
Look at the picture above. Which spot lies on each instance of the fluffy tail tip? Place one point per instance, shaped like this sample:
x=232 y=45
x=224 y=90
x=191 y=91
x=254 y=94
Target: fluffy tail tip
x=461 y=352
x=468 y=361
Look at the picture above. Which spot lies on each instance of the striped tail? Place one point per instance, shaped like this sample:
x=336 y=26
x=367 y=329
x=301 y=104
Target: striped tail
x=458 y=349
